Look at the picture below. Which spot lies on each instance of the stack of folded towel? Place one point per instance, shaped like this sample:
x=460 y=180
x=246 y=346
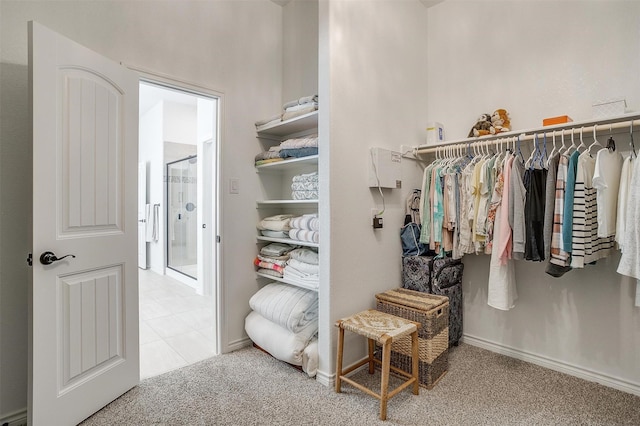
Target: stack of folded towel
x=297 y=107
x=305 y=186
x=305 y=228
x=291 y=109
x=273 y=259
x=275 y=226
x=296 y=148
x=284 y=322
x=302 y=267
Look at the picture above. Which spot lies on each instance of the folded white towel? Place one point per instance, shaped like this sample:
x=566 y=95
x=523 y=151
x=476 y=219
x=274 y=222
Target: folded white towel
x=304 y=255
x=301 y=107
x=306 y=110
x=300 y=101
x=306 y=268
x=276 y=117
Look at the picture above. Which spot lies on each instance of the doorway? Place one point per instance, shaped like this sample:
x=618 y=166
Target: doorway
x=178 y=145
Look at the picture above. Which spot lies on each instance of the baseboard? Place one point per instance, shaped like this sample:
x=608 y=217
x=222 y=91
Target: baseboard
x=330 y=379
x=17 y=418
x=238 y=344
x=325 y=379
x=556 y=365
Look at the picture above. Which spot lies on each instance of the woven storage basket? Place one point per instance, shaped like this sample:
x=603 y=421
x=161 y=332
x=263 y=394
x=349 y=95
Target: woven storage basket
x=432 y=312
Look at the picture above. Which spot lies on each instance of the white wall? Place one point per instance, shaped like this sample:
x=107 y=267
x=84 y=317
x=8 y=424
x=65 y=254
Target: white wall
x=234 y=47
x=300 y=45
x=541 y=59
x=180 y=123
x=152 y=152
x=372 y=78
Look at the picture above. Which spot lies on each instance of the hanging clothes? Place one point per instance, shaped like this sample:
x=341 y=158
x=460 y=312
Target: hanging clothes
x=550 y=196
x=517 y=196
x=559 y=259
x=535 y=214
x=567 y=228
x=501 y=291
x=623 y=194
x=630 y=260
x=580 y=213
x=606 y=181
x=504 y=241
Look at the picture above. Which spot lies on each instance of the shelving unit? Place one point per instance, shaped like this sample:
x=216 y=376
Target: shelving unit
x=275 y=179
x=290 y=127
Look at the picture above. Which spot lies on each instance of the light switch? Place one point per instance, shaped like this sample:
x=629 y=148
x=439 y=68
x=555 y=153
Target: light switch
x=234 y=186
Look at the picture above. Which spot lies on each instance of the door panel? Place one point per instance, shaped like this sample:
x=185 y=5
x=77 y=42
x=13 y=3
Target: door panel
x=83 y=337
x=91 y=154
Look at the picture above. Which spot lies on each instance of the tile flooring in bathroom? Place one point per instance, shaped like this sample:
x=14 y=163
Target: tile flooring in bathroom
x=176 y=325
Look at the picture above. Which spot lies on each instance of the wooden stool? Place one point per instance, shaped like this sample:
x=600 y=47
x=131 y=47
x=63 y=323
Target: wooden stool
x=383 y=328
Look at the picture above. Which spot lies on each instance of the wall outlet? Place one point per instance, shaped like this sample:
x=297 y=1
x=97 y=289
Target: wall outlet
x=376 y=220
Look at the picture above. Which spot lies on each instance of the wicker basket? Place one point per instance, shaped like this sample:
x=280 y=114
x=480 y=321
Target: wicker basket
x=432 y=312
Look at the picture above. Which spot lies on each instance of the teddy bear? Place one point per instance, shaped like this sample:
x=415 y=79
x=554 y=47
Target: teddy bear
x=500 y=121
x=482 y=126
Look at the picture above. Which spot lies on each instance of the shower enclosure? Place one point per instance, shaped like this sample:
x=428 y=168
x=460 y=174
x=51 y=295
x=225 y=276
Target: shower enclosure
x=182 y=223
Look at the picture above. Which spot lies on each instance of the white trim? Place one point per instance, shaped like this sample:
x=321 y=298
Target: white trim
x=326 y=379
x=160 y=79
x=17 y=418
x=237 y=344
x=556 y=365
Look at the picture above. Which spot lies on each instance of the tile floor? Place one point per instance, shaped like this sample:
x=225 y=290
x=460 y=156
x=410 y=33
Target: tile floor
x=176 y=325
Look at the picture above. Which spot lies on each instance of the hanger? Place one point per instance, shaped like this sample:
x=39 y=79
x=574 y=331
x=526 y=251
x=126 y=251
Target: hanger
x=573 y=144
x=553 y=151
x=611 y=144
x=584 y=147
x=527 y=163
x=595 y=140
x=543 y=152
x=518 y=150
x=633 y=147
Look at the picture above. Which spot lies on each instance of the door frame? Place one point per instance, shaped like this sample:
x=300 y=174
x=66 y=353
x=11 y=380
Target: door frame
x=215 y=270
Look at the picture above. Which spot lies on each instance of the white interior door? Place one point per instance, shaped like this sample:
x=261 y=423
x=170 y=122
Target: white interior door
x=143 y=223
x=83 y=335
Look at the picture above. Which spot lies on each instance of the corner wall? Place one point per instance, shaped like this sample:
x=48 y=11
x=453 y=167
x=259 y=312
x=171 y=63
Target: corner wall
x=188 y=40
x=372 y=83
x=542 y=59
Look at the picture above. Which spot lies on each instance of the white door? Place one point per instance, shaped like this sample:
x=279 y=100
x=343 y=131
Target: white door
x=83 y=336
x=143 y=223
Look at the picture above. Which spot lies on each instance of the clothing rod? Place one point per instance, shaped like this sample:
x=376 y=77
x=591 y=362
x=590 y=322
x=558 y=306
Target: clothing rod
x=529 y=135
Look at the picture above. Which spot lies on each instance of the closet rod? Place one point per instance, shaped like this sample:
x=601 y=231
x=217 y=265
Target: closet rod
x=529 y=135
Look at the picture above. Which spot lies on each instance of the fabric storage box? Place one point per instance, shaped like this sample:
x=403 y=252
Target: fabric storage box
x=416 y=273
x=441 y=276
x=446 y=280
x=432 y=312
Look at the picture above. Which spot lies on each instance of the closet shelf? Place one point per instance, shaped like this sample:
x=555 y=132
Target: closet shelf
x=292 y=203
x=288 y=241
x=288 y=165
x=282 y=280
x=291 y=126
x=603 y=125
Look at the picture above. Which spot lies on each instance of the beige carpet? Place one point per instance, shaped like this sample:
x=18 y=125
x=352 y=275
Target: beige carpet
x=248 y=387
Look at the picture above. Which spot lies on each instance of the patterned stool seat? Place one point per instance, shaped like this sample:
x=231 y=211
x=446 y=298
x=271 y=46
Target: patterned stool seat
x=382 y=328
x=378 y=325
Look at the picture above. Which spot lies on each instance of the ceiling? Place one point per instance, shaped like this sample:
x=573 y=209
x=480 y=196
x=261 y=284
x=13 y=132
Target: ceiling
x=427 y=3
x=151 y=94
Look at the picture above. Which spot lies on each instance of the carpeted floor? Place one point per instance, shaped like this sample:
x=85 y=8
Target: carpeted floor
x=248 y=387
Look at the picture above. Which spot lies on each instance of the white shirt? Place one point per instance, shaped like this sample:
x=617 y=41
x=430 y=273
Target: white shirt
x=623 y=191
x=606 y=181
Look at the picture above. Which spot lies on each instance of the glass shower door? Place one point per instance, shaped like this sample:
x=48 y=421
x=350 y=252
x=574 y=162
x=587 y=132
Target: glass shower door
x=182 y=223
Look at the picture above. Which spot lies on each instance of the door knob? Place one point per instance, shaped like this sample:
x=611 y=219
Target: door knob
x=47 y=258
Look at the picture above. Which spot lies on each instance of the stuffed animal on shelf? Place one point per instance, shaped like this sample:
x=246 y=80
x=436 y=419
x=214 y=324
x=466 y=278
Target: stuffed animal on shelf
x=482 y=126
x=500 y=121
